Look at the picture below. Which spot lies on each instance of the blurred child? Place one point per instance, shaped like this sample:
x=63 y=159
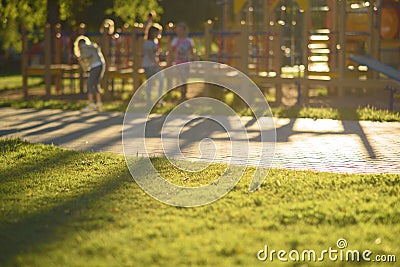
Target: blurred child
x=91 y=60
x=182 y=51
x=151 y=62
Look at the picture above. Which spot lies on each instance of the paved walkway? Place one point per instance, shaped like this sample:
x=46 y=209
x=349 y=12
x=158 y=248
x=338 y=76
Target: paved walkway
x=322 y=145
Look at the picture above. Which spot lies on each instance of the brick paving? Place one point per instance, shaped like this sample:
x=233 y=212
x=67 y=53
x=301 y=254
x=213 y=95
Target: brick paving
x=320 y=145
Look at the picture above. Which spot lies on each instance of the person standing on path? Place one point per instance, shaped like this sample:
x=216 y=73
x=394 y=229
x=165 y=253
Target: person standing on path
x=181 y=51
x=91 y=60
x=151 y=62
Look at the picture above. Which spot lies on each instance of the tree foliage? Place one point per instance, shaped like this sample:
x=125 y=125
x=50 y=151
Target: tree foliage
x=16 y=14
x=33 y=15
x=131 y=11
x=192 y=12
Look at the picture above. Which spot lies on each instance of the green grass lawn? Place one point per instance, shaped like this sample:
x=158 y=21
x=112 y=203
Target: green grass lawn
x=67 y=208
x=12 y=82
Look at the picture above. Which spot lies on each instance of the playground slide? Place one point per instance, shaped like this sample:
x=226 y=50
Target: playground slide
x=382 y=68
x=378 y=66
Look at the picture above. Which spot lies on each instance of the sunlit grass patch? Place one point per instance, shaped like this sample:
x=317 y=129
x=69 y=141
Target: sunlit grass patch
x=13 y=82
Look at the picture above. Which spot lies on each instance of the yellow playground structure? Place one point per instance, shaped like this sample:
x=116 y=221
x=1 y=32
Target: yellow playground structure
x=341 y=45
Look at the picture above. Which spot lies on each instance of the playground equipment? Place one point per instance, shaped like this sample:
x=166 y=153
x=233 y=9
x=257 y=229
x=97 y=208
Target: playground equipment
x=380 y=67
x=311 y=42
x=296 y=43
x=62 y=65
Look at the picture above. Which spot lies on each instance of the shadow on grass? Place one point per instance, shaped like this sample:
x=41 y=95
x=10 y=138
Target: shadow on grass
x=16 y=171
x=27 y=232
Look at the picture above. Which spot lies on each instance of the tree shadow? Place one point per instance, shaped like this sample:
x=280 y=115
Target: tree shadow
x=79 y=119
x=283 y=133
x=38 y=165
x=355 y=128
x=43 y=120
x=53 y=136
x=34 y=112
x=40 y=228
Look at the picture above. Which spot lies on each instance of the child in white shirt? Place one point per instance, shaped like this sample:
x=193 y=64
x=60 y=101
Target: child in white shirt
x=151 y=63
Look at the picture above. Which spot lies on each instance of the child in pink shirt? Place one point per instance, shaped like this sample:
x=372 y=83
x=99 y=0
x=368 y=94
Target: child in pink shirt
x=182 y=52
